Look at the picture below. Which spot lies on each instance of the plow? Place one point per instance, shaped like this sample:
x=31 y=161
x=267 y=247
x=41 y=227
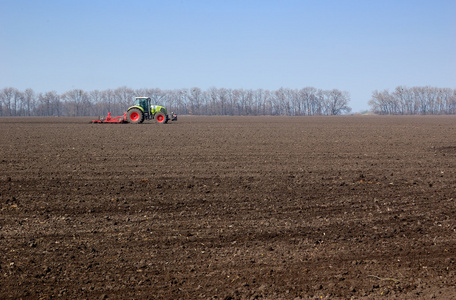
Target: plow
x=109 y=119
x=138 y=113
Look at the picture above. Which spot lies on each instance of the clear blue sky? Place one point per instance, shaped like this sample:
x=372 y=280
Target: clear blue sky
x=355 y=46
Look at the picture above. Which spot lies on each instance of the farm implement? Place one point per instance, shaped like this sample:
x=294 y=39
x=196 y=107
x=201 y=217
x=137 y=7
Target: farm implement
x=138 y=113
x=109 y=119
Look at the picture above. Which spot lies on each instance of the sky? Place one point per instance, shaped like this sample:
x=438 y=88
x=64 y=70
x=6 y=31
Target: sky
x=356 y=46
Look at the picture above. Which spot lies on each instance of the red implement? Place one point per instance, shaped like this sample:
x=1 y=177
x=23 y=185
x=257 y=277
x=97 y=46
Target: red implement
x=109 y=119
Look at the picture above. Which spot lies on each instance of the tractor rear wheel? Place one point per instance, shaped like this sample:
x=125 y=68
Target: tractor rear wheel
x=135 y=116
x=161 y=118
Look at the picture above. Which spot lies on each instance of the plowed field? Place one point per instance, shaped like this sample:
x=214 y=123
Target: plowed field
x=229 y=208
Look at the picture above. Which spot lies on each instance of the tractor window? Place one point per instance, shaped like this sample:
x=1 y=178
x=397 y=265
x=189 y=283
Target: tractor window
x=141 y=102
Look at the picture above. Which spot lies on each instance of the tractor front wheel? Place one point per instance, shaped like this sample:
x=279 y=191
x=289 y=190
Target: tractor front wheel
x=135 y=116
x=161 y=118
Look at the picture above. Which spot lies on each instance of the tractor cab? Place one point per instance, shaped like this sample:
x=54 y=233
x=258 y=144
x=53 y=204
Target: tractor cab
x=143 y=102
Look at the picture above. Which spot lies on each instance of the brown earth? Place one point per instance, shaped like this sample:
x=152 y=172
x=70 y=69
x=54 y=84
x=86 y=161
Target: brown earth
x=229 y=208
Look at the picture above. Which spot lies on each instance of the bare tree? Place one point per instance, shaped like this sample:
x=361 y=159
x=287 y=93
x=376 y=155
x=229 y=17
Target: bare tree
x=338 y=102
x=223 y=100
x=181 y=101
x=108 y=103
x=195 y=99
x=29 y=100
x=76 y=101
x=94 y=98
x=9 y=97
x=415 y=100
x=124 y=96
x=48 y=104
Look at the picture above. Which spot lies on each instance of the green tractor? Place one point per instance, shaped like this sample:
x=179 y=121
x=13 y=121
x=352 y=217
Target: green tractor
x=143 y=110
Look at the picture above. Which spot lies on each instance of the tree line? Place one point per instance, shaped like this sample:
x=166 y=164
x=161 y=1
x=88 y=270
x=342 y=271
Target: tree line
x=412 y=101
x=307 y=101
x=213 y=101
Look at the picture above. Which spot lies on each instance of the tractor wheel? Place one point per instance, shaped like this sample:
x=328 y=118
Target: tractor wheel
x=135 y=116
x=161 y=118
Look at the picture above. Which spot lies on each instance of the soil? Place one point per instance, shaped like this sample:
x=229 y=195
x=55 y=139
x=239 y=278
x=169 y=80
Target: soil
x=360 y=207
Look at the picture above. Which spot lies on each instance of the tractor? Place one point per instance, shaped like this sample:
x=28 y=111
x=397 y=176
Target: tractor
x=142 y=110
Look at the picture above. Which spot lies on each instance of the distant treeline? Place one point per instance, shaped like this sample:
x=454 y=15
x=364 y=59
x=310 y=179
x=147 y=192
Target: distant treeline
x=412 y=101
x=307 y=101
x=194 y=101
